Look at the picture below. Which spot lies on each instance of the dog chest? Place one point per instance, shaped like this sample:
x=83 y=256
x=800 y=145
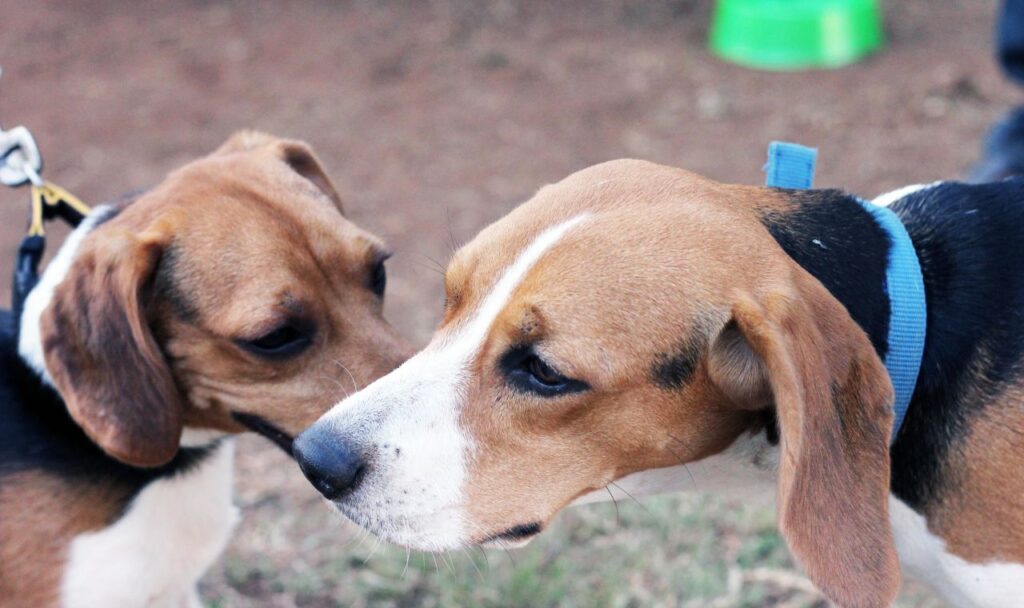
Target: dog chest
x=156 y=552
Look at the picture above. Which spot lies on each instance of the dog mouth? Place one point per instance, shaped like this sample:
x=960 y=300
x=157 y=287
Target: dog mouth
x=514 y=536
x=261 y=426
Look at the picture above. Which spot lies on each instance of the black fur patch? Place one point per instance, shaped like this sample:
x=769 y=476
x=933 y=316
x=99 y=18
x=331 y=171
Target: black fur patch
x=38 y=434
x=166 y=286
x=968 y=239
x=770 y=424
x=830 y=235
x=674 y=369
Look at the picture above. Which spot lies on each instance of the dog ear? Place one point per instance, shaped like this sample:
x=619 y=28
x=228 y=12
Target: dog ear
x=799 y=350
x=102 y=356
x=298 y=155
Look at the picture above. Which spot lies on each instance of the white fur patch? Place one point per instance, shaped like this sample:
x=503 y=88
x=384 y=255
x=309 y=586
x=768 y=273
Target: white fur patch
x=414 y=492
x=963 y=584
x=30 y=340
x=174 y=529
x=154 y=555
x=884 y=200
x=200 y=438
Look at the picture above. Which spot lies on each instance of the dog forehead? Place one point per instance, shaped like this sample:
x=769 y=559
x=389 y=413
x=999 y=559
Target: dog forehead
x=627 y=198
x=254 y=203
x=245 y=232
x=648 y=267
x=647 y=255
x=598 y=311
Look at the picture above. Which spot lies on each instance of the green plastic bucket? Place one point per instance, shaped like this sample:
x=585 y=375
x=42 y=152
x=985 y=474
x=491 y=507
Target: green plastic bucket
x=795 y=34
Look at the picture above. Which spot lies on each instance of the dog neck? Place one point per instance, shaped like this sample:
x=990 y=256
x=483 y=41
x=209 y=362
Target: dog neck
x=957 y=231
x=830 y=235
x=30 y=341
x=968 y=242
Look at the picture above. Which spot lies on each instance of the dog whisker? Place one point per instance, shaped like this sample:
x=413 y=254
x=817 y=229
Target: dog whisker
x=623 y=490
x=682 y=461
x=618 y=520
x=451 y=233
x=344 y=391
x=405 y=570
x=376 y=547
x=434 y=264
x=430 y=268
x=355 y=385
x=693 y=480
x=483 y=533
x=472 y=560
x=447 y=561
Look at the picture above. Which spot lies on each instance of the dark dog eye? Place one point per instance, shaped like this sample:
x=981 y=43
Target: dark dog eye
x=379 y=279
x=543 y=373
x=285 y=341
x=527 y=372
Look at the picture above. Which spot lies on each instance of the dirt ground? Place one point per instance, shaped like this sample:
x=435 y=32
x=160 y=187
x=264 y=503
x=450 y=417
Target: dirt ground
x=440 y=116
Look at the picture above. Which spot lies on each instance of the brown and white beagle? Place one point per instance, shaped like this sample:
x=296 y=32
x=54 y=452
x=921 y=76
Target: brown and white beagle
x=233 y=296
x=634 y=318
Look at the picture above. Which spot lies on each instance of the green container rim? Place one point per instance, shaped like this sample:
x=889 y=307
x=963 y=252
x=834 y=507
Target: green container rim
x=795 y=34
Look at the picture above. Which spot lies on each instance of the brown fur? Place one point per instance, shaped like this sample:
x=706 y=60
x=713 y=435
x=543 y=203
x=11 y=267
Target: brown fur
x=100 y=349
x=832 y=397
x=140 y=338
x=41 y=516
x=988 y=486
x=658 y=264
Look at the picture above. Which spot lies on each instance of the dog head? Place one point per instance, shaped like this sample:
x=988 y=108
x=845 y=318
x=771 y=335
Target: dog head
x=234 y=294
x=628 y=318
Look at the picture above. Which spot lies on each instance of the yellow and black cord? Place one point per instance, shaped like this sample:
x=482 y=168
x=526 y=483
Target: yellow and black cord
x=48 y=201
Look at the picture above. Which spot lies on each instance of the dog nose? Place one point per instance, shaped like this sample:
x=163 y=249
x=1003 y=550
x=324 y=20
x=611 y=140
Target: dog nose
x=332 y=465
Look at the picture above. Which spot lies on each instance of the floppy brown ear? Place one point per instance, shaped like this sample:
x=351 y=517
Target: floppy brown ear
x=102 y=356
x=296 y=154
x=799 y=349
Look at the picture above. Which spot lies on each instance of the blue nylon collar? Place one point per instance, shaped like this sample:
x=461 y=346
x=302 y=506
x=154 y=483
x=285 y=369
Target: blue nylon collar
x=792 y=166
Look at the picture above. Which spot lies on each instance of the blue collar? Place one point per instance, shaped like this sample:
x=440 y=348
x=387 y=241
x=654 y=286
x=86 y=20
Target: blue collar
x=792 y=166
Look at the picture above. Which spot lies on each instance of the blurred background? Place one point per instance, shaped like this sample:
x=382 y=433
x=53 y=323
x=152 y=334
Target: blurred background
x=434 y=118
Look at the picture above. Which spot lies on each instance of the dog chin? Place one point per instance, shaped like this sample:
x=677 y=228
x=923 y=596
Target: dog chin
x=438 y=535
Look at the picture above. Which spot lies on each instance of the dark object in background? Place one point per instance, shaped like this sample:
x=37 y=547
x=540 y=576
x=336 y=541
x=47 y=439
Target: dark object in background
x=1002 y=154
x=1003 y=150
x=1010 y=39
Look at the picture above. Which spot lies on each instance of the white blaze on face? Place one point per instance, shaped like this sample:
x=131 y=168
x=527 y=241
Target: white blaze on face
x=407 y=425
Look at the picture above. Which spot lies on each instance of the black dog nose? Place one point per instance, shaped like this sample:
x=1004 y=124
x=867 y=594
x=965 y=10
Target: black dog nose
x=332 y=465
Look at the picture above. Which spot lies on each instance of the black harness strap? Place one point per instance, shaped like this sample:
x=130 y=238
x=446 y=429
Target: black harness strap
x=48 y=202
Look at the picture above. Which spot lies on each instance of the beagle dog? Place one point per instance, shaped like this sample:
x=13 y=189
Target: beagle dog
x=233 y=296
x=634 y=318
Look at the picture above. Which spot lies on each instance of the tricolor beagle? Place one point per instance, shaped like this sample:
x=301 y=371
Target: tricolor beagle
x=635 y=317
x=233 y=295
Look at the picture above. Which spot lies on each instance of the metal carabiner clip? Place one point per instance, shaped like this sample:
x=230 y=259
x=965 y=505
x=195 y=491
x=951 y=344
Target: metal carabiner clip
x=20 y=160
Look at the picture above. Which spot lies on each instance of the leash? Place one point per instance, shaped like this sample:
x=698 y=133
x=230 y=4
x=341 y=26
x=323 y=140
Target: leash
x=792 y=166
x=20 y=164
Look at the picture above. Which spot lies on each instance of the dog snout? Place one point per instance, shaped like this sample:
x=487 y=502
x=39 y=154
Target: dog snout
x=334 y=466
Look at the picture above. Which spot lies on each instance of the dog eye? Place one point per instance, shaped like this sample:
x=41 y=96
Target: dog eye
x=543 y=373
x=285 y=341
x=379 y=279
x=527 y=372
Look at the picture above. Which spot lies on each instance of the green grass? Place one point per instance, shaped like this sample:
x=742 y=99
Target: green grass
x=681 y=550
